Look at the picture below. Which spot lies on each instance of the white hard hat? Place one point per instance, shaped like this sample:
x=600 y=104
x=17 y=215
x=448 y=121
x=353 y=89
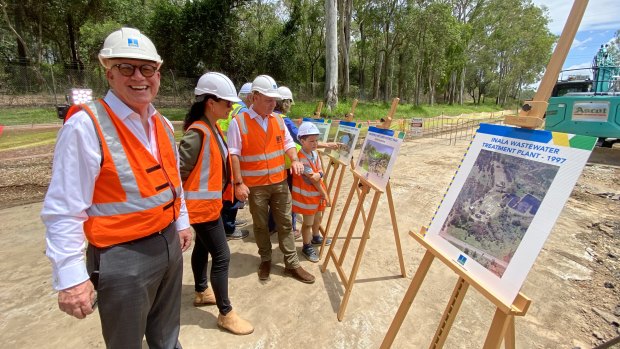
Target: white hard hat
x=129 y=43
x=286 y=93
x=246 y=88
x=307 y=128
x=266 y=85
x=217 y=84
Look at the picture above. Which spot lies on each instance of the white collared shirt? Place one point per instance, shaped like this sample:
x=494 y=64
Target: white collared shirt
x=234 y=136
x=75 y=169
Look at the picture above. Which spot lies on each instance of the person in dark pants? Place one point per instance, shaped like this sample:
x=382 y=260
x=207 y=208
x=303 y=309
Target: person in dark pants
x=206 y=171
x=116 y=184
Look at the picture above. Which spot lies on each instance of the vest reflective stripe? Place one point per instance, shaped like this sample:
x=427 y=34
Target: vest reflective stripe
x=262 y=157
x=305 y=192
x=135 y=202
x=262 y=151
x=203 y=187
x=306 y=199
x=310 y=207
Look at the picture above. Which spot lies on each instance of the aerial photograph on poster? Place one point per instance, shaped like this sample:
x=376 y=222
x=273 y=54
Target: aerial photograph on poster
x=495 y=207
x=375 y=158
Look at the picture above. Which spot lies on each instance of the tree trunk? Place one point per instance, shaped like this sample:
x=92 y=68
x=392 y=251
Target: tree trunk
x=331 y=55
x=362 y=60
x=462 y=91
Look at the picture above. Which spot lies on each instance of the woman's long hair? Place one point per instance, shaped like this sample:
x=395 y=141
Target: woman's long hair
x=196 y=111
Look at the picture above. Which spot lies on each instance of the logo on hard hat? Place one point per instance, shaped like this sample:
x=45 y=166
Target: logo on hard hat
x=132 y=42
x=274 y=86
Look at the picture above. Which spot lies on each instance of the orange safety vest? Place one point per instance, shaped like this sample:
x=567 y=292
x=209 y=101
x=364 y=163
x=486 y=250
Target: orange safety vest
x=135 y=194
x=307 y=200
x=203 y=187
x=262 y=153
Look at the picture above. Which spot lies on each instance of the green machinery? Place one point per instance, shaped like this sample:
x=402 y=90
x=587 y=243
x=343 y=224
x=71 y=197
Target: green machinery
x=589 y=107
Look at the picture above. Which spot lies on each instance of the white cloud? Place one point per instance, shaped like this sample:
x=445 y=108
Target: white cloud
x=599 y=15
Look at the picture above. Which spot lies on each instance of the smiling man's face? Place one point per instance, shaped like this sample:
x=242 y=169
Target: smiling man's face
x=137 y=91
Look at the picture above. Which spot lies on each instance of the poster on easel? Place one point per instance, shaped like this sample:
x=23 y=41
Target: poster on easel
x=347 y=135
x=504 y=200
x=323 y=125
x=378 y=155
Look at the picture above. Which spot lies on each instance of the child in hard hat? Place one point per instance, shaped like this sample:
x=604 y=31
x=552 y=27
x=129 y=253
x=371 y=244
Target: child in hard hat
x=309 y=193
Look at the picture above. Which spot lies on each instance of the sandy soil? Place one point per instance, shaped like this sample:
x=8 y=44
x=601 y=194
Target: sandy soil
x=574 y=284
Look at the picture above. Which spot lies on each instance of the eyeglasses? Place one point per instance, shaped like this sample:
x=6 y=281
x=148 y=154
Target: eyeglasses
x=127 y=69
x=228 y=103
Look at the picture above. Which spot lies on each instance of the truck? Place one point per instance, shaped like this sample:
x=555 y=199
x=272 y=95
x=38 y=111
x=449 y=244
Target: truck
x=589 y=107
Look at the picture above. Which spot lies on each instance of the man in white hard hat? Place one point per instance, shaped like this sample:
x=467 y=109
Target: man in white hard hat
x=257 y=141
x=116 y=185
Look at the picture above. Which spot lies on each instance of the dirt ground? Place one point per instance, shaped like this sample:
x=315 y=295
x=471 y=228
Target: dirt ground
x=574 y=284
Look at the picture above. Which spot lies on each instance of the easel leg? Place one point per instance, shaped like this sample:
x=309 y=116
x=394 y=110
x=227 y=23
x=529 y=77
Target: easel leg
x=447 y=319
x=360 y=252
x=330 y=252
x=412 y=291
x=399 y=251
x=332 y=209
x=509 y=337
x=498 y=329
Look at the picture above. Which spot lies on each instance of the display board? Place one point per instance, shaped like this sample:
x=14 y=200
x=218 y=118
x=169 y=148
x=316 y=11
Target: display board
x=378 y=155
x=323 y=125
x=504 y=201
x=347 y=135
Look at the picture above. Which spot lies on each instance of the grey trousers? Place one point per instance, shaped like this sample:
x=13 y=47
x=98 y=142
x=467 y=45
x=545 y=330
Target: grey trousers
x=139 y=290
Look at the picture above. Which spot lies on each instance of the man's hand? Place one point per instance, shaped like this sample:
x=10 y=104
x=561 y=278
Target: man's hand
x=297 y=167
x=242 y=192
x=78 y=300
x=185 y=237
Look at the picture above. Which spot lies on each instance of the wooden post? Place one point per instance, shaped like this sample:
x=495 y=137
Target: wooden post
x=319 y=108
x=388 y=119
x=349 y=116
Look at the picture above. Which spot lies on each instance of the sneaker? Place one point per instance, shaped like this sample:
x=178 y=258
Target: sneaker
x=240 y=222
x=318 y=240
x=238 y=234
x=310 y=253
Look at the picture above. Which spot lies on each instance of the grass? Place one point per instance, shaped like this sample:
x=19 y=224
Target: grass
x=10 y=116
x=12 y=139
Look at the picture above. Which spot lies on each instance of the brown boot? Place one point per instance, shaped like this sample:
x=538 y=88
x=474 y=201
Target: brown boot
x=263 y=270
x=235 y=324
x=300 y=274
x=203 y=298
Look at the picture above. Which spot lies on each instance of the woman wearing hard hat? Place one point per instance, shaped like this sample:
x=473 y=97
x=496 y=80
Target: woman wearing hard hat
x=207 y=179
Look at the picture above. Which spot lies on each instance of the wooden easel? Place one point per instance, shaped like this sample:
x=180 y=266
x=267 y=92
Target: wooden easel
x=349 y=281
x=503 y=325
x=339 y=167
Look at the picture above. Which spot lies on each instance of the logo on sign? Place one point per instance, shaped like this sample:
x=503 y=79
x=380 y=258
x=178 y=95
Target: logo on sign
x=462 y=259
x=131 y=42
x=591 y=111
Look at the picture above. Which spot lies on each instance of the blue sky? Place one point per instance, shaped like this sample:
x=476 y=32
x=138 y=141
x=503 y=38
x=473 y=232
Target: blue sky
x=598 y=26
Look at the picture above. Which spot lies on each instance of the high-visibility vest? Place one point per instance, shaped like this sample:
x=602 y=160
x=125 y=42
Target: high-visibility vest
x=203 y=187
x=262 y=153
x=287 y=160
x=135 y=195
x=307 y=199
x=236 y=109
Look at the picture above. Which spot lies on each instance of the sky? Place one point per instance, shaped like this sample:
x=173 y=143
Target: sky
x=598 y=26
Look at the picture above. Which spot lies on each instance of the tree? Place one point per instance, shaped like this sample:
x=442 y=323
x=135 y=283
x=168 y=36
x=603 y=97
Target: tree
x=331 y=55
